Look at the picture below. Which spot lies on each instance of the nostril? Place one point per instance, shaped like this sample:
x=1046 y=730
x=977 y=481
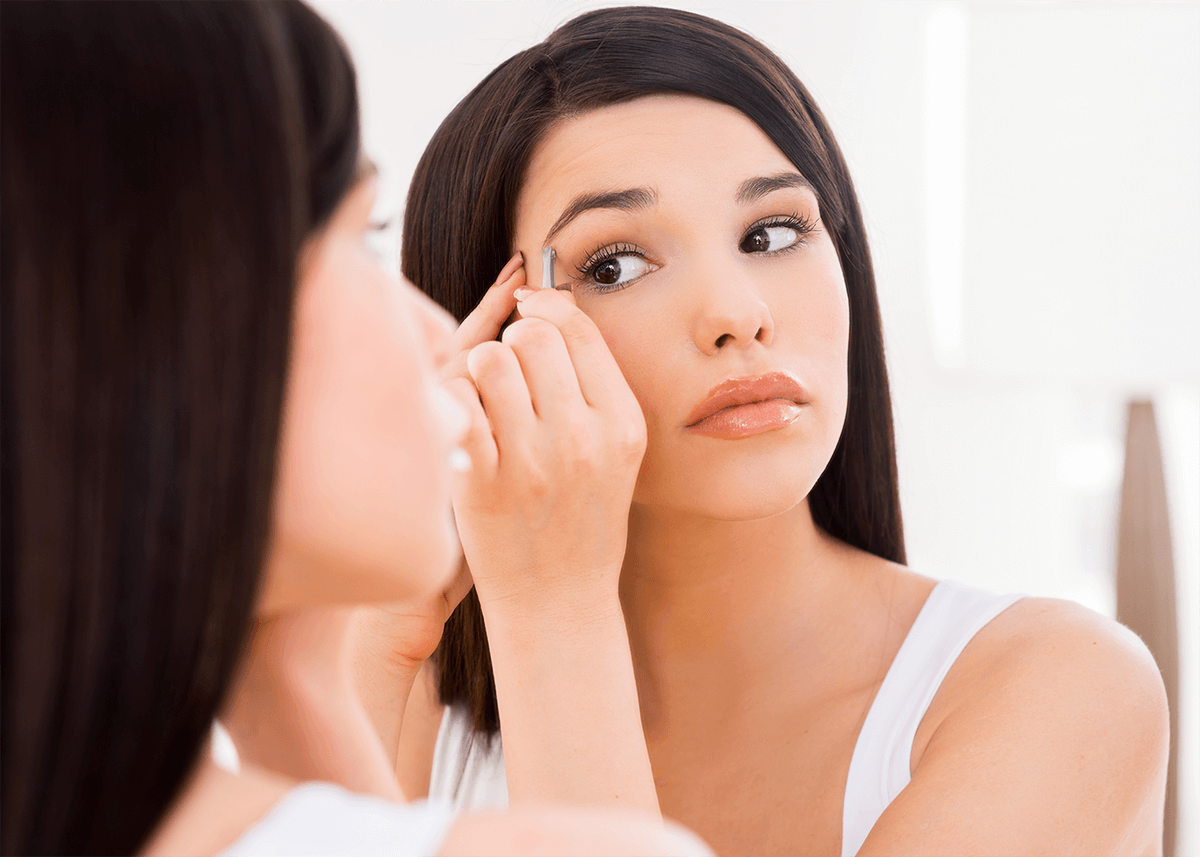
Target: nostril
x=722 y=339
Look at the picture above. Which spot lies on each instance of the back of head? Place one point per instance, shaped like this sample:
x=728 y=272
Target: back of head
x=162 y=164
x=460 y=222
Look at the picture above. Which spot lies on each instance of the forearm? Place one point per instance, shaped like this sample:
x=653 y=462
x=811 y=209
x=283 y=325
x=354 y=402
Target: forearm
x=568 y=706
x=384 y=683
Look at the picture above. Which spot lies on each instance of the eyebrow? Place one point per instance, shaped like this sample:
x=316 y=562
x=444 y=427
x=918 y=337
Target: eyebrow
x=759 y=186
x=622 y=200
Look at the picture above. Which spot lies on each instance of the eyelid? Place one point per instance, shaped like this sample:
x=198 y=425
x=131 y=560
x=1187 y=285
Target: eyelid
x=608 y=251
x=800 y=222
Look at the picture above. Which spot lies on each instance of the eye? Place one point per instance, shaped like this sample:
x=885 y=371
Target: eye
x=766 y=239
x=775 y=235
x=377 y=238
x=614 y=267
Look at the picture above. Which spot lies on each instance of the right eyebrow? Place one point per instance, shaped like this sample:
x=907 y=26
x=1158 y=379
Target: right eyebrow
x=622 y=200
x=756 y=188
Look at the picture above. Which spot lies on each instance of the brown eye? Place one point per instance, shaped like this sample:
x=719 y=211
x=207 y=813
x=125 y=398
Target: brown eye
x=608 y=272
x=767 y=239
x=616 y=271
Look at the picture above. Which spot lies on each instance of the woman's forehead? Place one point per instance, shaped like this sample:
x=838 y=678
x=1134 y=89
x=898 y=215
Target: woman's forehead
x=652 y=144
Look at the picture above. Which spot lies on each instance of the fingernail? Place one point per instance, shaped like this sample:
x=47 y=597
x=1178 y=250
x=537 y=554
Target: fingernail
x=521 y=294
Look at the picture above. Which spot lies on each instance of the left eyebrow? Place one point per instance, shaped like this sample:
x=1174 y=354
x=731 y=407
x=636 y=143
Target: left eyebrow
x=756 y=188
x=621 y=200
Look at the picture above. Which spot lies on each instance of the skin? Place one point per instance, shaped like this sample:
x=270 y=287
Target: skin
x=757 y=640
x=361 y=515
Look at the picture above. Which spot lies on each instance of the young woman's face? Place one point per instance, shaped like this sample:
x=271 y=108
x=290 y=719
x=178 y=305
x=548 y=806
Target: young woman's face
x=362 y=502
x=697 y=248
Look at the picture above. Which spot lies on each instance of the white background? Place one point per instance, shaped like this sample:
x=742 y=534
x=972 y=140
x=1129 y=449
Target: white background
x=1030 y=177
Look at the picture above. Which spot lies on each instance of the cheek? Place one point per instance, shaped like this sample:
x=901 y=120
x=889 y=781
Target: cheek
x=635 y=336
x=361 y=483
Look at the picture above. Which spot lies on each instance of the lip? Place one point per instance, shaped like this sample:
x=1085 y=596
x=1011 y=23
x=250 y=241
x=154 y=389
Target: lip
x=742 y=407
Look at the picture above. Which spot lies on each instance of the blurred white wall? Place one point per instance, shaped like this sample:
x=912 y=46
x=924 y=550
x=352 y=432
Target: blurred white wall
x=1030 y=177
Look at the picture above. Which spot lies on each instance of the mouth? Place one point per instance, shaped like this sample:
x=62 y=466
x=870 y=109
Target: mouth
x=742 y=407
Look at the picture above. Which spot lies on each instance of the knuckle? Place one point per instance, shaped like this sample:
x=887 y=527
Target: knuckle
x=578 y=326
x=630 y=436
x=532 y=333
x=538 y=484
x=489 y=358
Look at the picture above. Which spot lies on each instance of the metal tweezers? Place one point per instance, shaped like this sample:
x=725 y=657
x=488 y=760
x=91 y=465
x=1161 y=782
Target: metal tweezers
x=548 y=256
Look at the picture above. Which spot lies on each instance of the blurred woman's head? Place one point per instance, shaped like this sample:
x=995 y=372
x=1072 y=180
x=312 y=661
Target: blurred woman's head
x=181 y=181
x=659 y=119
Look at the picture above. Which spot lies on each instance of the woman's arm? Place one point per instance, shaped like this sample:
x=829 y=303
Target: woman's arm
x=556 y=441
x=557 y=831
x=1049 y=738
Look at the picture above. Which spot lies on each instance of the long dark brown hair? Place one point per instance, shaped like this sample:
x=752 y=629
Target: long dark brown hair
x=162 y=164
x=460 y=222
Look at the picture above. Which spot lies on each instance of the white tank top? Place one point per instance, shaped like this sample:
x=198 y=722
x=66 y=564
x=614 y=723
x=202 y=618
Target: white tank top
x=468 y=771
x=323 y=818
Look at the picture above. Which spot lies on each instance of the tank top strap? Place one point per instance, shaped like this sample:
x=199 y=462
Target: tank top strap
x=880 y=766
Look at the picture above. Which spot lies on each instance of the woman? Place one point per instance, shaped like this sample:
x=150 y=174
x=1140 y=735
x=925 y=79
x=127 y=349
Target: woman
x=704 y=219
x=184 y=215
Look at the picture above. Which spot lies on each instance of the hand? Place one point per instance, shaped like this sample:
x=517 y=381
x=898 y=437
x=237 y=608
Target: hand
x=556 y=441
x=487 y=319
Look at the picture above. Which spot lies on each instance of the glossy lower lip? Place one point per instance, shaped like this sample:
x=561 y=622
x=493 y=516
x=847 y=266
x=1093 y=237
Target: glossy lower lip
x=747 y=420
x=740 y=407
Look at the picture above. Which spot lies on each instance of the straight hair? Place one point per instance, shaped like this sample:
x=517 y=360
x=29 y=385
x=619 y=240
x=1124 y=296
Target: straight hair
x=162 y=164
x=460 y=222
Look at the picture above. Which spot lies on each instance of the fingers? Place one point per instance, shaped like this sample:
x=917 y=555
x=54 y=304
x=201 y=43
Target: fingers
x=546 y=365
x=485 y=320
x=600 y=379
x=503 y=393
x=478 y=443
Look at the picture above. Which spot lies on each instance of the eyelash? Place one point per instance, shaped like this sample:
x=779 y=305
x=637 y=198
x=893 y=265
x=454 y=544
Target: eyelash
x=803 y=226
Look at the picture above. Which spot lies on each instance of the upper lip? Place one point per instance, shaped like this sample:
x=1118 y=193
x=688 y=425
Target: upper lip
x=745 y=391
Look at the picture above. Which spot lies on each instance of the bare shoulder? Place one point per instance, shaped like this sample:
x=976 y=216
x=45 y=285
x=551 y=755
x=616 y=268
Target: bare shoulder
x=571 y=832
x=1050 y=733
x=1062 y=660
x=418 y=735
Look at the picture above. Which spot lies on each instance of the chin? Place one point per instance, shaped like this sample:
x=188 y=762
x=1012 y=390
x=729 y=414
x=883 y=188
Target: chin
x=442 y=557
x=744 y=494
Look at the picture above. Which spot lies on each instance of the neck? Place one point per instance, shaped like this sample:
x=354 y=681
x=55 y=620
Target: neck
x=694 y=589
x=296 y=709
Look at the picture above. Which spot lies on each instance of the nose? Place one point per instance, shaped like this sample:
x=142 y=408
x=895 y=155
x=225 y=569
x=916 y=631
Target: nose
x=730 y=312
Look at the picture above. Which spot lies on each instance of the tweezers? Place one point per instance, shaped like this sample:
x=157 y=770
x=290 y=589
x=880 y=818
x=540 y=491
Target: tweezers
x=548 y=257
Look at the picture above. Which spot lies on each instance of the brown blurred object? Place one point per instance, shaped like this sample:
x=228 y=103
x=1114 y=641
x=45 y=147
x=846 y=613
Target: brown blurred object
x=1146 y=575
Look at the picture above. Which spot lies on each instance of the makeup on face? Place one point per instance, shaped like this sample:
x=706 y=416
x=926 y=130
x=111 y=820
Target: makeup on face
x=742 y=407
